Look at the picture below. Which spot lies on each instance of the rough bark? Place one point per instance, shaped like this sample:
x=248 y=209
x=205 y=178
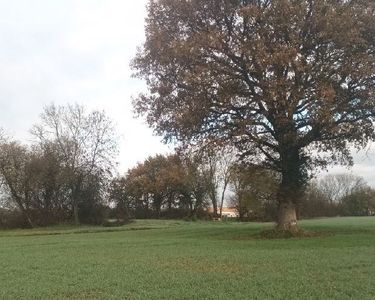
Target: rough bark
x=290 y=189
x=287 y=217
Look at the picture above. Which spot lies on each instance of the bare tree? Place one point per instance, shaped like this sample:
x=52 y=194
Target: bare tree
x=86 y=141
x=337 y=186
x=337 y=194
x=217 y=165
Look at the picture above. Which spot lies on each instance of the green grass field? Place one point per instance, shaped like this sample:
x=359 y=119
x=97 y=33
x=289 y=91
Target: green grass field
x=189 y=260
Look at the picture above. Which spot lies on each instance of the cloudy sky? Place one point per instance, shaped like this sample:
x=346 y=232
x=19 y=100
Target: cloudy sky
x=66 y=51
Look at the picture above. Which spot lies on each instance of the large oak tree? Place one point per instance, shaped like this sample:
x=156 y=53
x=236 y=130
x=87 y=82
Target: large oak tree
x=290 y=83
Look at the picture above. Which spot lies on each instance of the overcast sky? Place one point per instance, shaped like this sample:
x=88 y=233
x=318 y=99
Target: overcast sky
x=67 y=51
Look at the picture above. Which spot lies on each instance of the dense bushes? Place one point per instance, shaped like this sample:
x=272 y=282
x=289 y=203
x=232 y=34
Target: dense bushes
x=12 y=219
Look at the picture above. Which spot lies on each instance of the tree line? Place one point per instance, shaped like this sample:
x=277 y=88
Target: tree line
x=288 y=84
x=193 y=186
x=180 y=185
x=68 y=174
x=63 y=174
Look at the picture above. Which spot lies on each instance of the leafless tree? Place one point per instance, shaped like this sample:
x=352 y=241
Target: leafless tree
x=335 y=187
x=86 y=140
x=217 y=164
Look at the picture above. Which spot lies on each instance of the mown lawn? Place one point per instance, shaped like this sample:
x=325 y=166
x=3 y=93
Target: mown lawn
x=182 y=260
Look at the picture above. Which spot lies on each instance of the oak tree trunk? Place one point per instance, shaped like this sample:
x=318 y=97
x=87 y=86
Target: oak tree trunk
x=290 y=190
x=287 y=217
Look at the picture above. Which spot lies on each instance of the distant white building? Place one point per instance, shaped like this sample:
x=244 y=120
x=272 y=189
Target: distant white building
x=230 y=212
x=227 y=212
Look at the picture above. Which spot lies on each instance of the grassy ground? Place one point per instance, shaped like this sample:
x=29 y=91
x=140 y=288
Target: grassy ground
x=182 y=260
